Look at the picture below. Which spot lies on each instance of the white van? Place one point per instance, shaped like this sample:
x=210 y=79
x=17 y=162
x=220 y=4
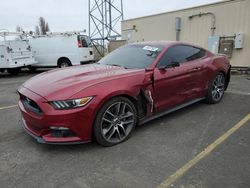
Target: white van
x=15 y=52
x=61 y=49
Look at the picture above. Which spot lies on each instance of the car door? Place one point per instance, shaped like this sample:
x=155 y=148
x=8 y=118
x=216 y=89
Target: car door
x=85 y=49
x=176 y=85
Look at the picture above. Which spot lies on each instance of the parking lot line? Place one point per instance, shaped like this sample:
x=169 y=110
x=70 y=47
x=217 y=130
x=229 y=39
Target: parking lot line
x=8 y=107
x=171 y=179
x=12 y=82
x=238 y=92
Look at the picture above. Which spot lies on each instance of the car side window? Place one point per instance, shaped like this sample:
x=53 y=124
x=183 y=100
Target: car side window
x=193 y=53
x=84 y=42
x=181 y=54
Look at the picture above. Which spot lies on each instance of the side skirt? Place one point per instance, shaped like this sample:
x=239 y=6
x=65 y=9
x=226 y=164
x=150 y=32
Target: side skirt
x=143 y=121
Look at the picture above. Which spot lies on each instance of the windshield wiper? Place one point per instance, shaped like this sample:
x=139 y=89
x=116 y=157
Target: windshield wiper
x=117 y=65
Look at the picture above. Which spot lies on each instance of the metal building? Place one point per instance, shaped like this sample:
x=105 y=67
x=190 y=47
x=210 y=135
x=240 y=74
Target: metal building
x=222 y=27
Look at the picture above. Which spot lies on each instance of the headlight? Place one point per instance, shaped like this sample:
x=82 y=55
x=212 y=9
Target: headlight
x=70 y=104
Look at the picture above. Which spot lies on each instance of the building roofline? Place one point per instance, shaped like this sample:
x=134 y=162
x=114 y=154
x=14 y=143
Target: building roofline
x=179 y=10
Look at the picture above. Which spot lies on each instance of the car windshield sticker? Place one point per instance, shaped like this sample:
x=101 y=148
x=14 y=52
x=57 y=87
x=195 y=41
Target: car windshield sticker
x=150 y=48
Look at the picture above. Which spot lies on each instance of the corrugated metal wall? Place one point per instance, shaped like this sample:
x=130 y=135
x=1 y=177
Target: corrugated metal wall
x=231 y=17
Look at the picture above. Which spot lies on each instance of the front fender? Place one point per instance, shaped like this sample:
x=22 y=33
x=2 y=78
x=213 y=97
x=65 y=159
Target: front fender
x=104 y=91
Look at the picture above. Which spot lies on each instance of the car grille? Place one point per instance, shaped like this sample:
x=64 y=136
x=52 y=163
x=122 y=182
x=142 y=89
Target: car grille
x=31 y=105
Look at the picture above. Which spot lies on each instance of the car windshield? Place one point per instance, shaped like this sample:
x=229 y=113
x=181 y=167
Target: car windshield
x=132 y=56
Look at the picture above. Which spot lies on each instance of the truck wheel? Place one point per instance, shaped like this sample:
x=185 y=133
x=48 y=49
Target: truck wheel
x=13 y=71
x=64 y=63
x=32 y=69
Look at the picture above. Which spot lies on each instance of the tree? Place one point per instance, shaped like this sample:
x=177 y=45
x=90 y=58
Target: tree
x=47 y=27
x=43 y=27
x=19 y=28
x=37 y=31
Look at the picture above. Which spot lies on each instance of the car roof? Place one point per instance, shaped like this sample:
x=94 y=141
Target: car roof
x=164 y=43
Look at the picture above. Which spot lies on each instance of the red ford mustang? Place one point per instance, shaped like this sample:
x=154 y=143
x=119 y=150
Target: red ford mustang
x=132 y=85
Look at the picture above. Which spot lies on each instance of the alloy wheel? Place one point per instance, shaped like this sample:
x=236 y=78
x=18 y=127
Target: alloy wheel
x=117 y=122
x=218 y=87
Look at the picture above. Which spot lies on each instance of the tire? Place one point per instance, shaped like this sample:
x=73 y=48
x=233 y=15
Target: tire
x=32 y=69
x=113 y=126
x=216 y=89
x=64 y=62
x=14 y=71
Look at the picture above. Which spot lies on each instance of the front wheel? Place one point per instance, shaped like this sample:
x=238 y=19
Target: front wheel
x=216 y=89
x=32 y=69
x=115 y=121
x=14 y=71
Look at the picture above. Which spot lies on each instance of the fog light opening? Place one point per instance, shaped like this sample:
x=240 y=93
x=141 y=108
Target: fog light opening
x=59 y=128
x=61 y=132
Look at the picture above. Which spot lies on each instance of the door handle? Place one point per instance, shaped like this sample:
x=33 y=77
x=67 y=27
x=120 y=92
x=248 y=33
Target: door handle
x=197 y=68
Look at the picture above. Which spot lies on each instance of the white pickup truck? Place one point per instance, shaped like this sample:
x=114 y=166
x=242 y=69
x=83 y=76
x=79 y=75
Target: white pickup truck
x=15 y=52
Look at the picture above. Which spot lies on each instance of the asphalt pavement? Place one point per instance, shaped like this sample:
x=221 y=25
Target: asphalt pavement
x=155 y=151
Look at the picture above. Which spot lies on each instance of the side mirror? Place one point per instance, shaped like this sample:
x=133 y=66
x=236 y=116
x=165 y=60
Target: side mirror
x=170 y=65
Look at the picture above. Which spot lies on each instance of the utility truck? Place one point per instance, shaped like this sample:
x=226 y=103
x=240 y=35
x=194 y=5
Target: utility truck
x=15 y=52
x=61 y=49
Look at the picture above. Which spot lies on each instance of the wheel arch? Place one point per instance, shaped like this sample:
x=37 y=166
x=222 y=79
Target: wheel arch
x=138 y=98
x=227 y=76
x=62 y=58
x=106 y=100
x=222 y=65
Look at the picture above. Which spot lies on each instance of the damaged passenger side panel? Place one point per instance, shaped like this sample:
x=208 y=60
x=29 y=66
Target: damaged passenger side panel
x=145 y=98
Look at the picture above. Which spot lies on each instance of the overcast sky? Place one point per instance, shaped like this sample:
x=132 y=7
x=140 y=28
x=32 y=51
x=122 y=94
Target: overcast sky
x=68 y=15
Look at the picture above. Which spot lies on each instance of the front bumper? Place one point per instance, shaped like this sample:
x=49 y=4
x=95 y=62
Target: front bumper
x=15 y=63
x=49 y=140
x=38 y=125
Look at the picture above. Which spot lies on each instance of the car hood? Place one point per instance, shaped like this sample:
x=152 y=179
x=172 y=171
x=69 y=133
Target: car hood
x=61 y=84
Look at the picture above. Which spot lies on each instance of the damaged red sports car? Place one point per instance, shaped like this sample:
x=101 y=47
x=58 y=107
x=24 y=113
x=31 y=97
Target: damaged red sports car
x=132 y=85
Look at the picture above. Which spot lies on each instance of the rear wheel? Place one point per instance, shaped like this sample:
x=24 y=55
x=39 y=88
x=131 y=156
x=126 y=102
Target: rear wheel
x=216 y=89
x=115 y=121
x=32 y=69
x=14 y=71
x=64 y=62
